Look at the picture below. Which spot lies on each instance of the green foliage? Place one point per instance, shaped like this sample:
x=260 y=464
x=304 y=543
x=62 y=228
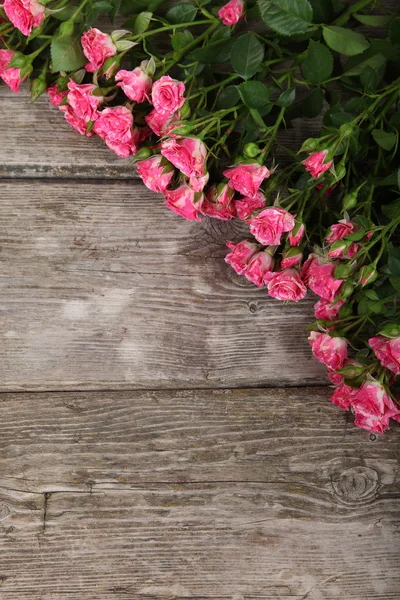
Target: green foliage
x=67 y=54
x=247 y=55
x=345 y=41
x=182 y=13
x=287 y=17
x=318 y=65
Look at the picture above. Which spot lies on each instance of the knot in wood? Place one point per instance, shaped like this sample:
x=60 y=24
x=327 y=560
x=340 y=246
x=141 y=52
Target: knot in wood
x=356 y=485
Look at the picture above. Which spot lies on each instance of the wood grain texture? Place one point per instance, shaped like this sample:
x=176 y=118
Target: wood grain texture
x=102 y=287
x=230 y=494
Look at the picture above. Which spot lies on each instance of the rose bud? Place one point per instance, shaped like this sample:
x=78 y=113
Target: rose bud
x=167 y=95
x=287 y=286
x=247 y=178
x=156 y=173
x=198 y=183
x=349 y=201
x=374 y=407
x=135 y=84
x=268 y=226
x=340 y=230
x=368 y=274
x=291 y=258
x=251 y=150
x=342 y=271
x=338 y=249
x=346 y=289
x=326 y=310
x=212 y=207
x=160 y=123
x=296 y=235
x=56 y=96
x=315 y=164
x=97 y=47
x=260 y=264
x=10 y=75
x=232 y=12
x=319 y=277
x=387 y=351
x=246 y=206
x=241 y=254
x=184 y=202
x=309 y=145
x=223 y=194
x=24 y=14
x=331 y=351
x=186 y=154
x=343 y=396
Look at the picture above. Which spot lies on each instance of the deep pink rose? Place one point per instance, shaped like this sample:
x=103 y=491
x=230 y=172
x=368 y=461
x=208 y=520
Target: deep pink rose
x=245 y=206
x=327 y=310
x=82 y=100
x=286 y=285
x=212 y=207
x=319 y=277
x=160 y=123
x=24 y=14
x=296 y=235
x=156 y=173
x=198 y=183
x=11 y=76
x=331 y=351
x=76 y=122
x=374 y=407
x=315 y=164
x=114 y=126
x=240 y=255
x=291 y=258
x=268 y=226
x=387 y=350
x=336 y=378
x=167 y=95
x=55 y=95
x=260 y=264
x=231 y=12
x=247 y=178
x=136 y=84
x=340 y=230
x=186 y=154
x=182 y=201
x=343 y=396
x=97 y=47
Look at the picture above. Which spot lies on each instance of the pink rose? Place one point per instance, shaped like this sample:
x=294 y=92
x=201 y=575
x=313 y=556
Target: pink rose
x=247 y=178
x=245 y=206
x=387 y=351
x=136 y=84
x=331 y=351
x=343 y=396
x=186 y=154
x=10 y=75
x=161 y=123
x=231 y=12
x=198 y=183
x=291 y=258
x=286 y=285
x=76 y=122
x=212 y=207
x=156 y=173
x=340 y=230
x=336 y=378
x=114 y=126
x=24 y=14
x=97 y=47
x=55 y=95
x=167 y=95
x=319 y=278
x=82 y=100
x=296 y=235
x=182 y=201
x=315 y=164
x=241 y=254
x=327 y=310
x=268 y=226
x=223 y=194
x=374 y=407
x=260 y=264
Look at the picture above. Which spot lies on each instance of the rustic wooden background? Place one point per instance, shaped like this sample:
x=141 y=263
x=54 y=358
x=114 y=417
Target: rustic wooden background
x=126 y=471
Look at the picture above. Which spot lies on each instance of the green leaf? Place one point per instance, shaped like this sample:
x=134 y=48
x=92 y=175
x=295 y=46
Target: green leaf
x=309 y=107
x=116 y=5
x=67 y=54
x=395 y=32
x=394 y=261
x=180 y=39
x=373 y=20
x=369 y=79
x=286 y=98
x=357 y=236
x=247 y=55
x=376 y=61
x=392 y=210
x=345 y=41
x=216 y=52
x=318 y=65
x=254 y=94
x=323 y=11
x=287 y=17
x=384 y=139
x=229 y=97
x=142 y=22
x=395 y=282
x=182 y=13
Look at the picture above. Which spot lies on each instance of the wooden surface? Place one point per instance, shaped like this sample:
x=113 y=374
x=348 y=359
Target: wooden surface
x=124 y=473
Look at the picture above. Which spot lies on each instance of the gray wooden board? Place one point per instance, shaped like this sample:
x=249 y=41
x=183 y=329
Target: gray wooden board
x=103 y=288
x=230 y=494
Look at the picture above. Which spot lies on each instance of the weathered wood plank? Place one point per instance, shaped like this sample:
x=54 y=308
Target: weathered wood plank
x=102 y=287
x=214 y=494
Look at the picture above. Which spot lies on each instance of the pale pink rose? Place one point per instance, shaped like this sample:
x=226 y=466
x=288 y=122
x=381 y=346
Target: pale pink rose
x=343 y=396
x=327 y=310
x=387 y=351
x=10 y=75
x=186 y=154
x=232 y=12
x=156 y=173
x=268 y=226
x=331 y=351
x=296 y=235
x=55 y=95
x=340 y=230
x=24 y=14
x=198 y=183
x=136 y=84
x=319 y=278
x=182 y=201
x=240 y=255
x=374 y=407
x=291 y=258
x=114 y=126
x=247 y=178
x=161 y=123
x=97 y=47
x=82 y=100
x=315 y=164
x=213 y=208
x=286 y=285
x=260 y=264
x=167 y=95
x=76 y=122
x=245 y=206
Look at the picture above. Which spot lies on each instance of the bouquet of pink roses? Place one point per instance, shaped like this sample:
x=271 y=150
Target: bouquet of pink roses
x=198 y=94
